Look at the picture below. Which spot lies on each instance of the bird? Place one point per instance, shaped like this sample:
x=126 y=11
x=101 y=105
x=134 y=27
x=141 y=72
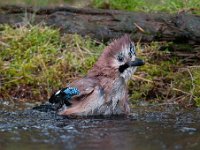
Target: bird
x=103 y=91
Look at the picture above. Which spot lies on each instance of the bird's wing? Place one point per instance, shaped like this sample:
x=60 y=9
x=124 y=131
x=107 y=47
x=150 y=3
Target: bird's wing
x=74 y=93
x=85 y=86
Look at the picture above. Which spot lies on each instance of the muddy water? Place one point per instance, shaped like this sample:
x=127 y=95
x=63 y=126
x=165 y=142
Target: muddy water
x=23 y=128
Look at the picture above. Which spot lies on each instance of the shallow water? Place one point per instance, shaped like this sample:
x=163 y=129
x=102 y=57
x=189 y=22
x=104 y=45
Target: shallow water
x=21 y=127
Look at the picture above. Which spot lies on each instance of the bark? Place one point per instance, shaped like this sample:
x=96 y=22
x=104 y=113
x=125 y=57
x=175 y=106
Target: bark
x=109 y=24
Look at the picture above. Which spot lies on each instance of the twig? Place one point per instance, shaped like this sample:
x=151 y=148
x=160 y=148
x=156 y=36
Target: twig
x=177 y=99
x=193 y=67
x=175 y=89
x=175 y=103
x=150 y=81
x=140 y=28
x=141 y=78
x=15 y=79
x=193 y=85
x=78 y=47
x=4 y=44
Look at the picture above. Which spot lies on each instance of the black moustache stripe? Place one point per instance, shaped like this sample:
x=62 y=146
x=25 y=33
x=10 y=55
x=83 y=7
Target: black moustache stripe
x=137 y=62
x=122 y=68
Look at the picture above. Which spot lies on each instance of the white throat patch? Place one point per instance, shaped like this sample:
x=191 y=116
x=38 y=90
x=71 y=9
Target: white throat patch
x=128 y=73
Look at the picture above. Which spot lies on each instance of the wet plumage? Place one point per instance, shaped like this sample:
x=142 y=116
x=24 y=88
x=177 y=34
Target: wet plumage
x=104 y=90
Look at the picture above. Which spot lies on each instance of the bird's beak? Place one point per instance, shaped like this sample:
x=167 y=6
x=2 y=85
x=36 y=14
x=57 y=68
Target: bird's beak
x=135 y=63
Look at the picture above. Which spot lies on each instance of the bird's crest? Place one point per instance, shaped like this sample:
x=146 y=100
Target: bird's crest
x=116 y=46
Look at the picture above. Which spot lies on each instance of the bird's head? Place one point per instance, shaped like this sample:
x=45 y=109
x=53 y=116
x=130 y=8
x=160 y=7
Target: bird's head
x=121 y=56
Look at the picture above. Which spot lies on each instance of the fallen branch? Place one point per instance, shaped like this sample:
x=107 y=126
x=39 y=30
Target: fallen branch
x=109 y=24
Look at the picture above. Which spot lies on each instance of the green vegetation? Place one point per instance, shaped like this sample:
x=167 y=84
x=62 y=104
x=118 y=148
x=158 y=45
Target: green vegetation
x=166 y=78
x=170 y=6
x=37 y=60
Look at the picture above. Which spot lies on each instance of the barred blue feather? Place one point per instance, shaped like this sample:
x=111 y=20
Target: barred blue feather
x=63 y=96
x=70 y=91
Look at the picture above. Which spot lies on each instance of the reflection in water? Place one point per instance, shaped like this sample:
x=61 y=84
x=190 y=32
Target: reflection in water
x=31 y=129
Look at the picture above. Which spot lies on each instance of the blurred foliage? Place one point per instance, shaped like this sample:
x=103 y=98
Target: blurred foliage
x=170 y=6
x=36 y=2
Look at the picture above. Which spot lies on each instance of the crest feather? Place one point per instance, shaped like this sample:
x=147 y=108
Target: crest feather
x=116 y=46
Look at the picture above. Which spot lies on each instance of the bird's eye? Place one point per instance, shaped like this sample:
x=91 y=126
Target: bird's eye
x=120 y=57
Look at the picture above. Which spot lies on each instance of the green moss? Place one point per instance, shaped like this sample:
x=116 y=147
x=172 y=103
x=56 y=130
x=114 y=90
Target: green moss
x=38 y=58
x=164 y=77
x=197 y=101
x=171 y=6
x=196 y=80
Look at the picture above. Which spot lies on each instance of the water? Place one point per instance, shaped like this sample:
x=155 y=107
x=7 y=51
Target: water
x=23 y=128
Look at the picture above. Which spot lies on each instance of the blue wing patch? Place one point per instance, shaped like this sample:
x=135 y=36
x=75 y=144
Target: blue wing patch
x=70 y=91
x=63 y=96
